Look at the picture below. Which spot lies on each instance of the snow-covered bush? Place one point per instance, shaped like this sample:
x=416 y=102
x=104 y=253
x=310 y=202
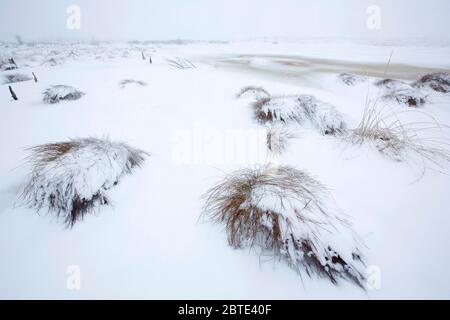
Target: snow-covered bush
x=126 y=82
x=72 y=178
x=351 y=79
x=436 y=81
x=286 y=212
x=256 y=93
x=56 y=94
x=401 y=141
x=300 y=109
x=15 y=77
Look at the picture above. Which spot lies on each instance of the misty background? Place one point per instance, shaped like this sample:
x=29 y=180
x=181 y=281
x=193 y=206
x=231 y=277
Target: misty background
x=121 y=20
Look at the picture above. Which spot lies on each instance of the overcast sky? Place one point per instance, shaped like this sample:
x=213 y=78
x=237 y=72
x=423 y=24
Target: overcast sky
x=222 y=19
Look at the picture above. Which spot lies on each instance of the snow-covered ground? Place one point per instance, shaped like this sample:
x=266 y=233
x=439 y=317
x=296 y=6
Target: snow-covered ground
x=150 y=243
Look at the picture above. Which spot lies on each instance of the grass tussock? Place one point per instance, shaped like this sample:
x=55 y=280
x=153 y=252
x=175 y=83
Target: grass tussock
x=58 y=93
x=126 y=82
x=71 y=179
x=439 y=82
x=351 y=79
x=15 y=77
x=300 y=109
x=285 y=212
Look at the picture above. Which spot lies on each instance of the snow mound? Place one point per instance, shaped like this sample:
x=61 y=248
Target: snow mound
x=300 y=109
x=351 y=79
x=439 y=82
x=286 y=212
x=56 y=94
x=16 y=77
x=72 y=178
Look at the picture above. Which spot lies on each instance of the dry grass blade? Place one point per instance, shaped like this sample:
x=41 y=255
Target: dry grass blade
x=402 y=141
x=180 y=63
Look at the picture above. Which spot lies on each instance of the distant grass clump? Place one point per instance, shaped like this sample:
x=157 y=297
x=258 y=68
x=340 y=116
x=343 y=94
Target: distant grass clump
x=15 y=77
x=401 y=92
x=126 y=82
x=257 y=93
x=351 y=79
x=301 y=109
x=72 y=178
x=401 y=141
x=439 y=82
x=56 y=94
x=409 y=97
x=8 y=64
x=286 y=213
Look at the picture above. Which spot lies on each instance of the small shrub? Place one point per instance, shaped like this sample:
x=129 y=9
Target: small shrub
x=72 y=178
x=286 y=212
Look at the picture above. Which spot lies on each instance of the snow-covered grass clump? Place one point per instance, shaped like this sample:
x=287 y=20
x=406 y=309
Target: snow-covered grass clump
x=72 y=178
x=300 y=109
x=286 y=212
x=407 y=96
x=15 y=77
x=7 y=64
x=256 y=93
x=56 y=94
x=439 y=82
x=401 y=92
x=126 y=82
x=351 y=79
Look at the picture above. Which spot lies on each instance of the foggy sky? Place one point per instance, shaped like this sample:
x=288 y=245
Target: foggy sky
x=222 y=19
